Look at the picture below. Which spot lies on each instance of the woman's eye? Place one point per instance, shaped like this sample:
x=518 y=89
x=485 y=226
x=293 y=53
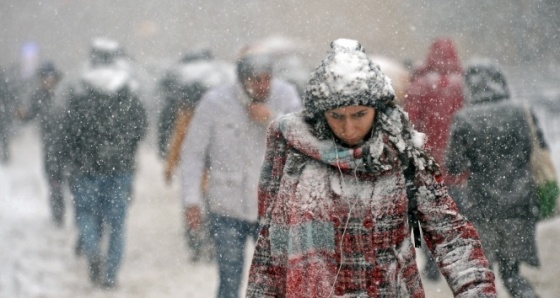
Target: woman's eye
x=336 y=116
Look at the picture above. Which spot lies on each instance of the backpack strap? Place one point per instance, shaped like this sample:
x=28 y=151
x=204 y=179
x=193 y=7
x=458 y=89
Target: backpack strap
x=412 y=204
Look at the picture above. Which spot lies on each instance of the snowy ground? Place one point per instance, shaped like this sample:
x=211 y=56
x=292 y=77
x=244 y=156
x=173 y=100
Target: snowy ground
x=37 y=259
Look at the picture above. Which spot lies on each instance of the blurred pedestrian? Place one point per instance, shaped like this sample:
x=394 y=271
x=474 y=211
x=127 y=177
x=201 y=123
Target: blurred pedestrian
x=170 y=86
x=7 y=100
x=188 y=81
x=491 y=140
x=435 y=94
x=104 y=124
x=44 y=108
x=227 y=135
x=333 y=197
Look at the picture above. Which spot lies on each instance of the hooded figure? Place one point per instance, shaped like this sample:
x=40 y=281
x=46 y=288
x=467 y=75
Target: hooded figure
x=435 y=94
x=7 y=100
x=187 y=82
x=47 y=111
x=103 y=126
x=490 y=139
x=333 y=201
x=183 y=85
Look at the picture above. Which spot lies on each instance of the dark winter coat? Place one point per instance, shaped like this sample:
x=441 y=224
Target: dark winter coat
x=49 y=115
x=6 y=103
x=103 y=131
x=490 y=139
x=183 y=86
x=492 y=142
x=435 y=95
x=329 y=228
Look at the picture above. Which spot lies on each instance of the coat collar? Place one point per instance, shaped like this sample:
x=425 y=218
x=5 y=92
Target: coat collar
x=392 y=145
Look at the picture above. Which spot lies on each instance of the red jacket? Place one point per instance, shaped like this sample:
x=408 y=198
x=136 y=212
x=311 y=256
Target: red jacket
x=330 y=229
x=435 y=95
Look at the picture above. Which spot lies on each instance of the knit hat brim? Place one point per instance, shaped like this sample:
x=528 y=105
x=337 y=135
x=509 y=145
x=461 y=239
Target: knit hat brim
x=345 y=77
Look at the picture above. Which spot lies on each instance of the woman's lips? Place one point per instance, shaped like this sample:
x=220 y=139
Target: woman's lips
x=351 y=141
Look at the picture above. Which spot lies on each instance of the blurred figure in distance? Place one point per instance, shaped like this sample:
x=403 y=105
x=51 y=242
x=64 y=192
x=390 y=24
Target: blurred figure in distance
x=227 y=132
x=186 y=83
x=44 y=108
x=491 y=139
x=103 y=126
x=433 y=97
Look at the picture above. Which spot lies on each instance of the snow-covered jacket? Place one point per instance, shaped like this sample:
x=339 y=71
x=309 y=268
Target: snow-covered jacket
x=104 y=123
x=435 y=95
x=6 y=103
x=43 y=108
x=329 y=228
x=491 y=140
x=225 y=140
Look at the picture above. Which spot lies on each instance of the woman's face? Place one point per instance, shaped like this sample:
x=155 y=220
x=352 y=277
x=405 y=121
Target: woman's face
x=351 y=124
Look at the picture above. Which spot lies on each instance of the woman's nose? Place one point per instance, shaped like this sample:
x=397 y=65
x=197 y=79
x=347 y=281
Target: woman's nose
x=348 y=127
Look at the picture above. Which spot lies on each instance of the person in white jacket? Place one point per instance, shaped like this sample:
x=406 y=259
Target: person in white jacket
x=227 y=135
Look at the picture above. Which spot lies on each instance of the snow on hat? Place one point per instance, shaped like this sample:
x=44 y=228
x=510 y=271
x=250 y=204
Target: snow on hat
x=346 y=77
x=484 y=82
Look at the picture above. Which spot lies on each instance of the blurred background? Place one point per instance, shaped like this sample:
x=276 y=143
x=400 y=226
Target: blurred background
x=522 y=35
x=513 y=31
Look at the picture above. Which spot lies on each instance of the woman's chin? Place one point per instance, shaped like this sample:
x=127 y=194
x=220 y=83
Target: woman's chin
x=351 y=142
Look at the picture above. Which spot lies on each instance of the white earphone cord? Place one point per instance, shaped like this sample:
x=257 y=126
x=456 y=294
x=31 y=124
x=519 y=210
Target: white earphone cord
x=348 y=216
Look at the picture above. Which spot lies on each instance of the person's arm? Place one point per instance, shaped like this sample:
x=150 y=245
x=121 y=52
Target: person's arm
x=456 y=159
x=184 y=117
x=453 y=241
x=139 y=119
x=193 y=160
x=266 y=278
x=540 y=135
x=33 y=110
x=164 y=126
x=72 y=119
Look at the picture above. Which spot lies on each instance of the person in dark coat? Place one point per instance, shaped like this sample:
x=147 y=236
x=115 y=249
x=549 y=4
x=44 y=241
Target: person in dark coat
x=490 y=139
x=171 y=86
x=6 y=103
x=103 y=126
x=44 y=108
x=435 y=94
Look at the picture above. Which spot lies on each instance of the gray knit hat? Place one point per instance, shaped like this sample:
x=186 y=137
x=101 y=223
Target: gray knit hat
x=345 y=77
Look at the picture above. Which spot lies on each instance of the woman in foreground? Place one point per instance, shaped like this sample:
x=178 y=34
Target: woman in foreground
x=333 y=203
